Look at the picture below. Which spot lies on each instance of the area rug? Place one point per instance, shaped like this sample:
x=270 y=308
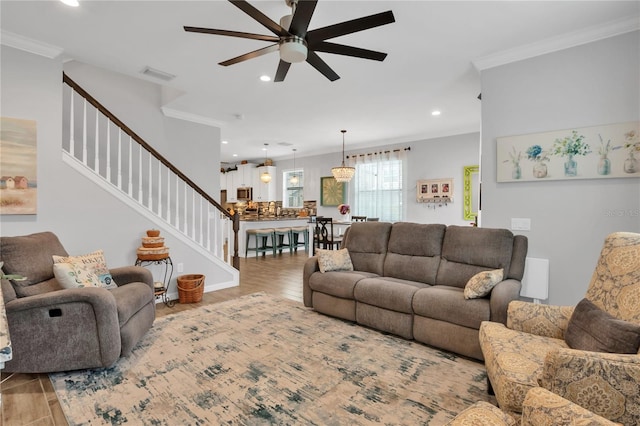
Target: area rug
x=261 y=360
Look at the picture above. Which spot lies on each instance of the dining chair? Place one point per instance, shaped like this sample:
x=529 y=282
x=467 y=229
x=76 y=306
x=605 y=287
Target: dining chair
x=358 y=218
x=324 y=237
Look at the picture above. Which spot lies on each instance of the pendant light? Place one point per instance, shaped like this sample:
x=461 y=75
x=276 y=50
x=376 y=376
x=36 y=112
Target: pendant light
x=343 y=173
x=265 y=177
x=294 y=178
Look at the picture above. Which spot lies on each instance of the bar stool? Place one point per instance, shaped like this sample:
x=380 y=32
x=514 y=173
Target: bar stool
x=261 y=236
x=279 y=234
x=295 y=237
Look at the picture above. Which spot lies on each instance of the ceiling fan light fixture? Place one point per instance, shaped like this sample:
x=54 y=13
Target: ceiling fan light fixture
x=343 y=173
x=293 y=49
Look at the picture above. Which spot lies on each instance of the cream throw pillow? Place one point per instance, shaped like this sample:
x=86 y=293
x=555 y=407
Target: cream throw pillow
x=334 y=260
x=93 y=262
x=74 y=275
x=481 y=283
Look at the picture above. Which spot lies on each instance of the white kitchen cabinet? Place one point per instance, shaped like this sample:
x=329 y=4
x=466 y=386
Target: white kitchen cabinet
x=264 y=191
x=232 y=187
x=244 y=175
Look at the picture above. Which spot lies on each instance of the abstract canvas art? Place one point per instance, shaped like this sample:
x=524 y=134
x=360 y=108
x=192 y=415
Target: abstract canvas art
x=18 y=166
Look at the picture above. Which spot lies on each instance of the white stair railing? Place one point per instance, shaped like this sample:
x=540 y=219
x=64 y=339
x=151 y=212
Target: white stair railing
x=102 y=143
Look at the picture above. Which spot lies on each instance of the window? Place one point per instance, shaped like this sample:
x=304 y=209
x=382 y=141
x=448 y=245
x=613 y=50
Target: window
x=378 y=189
x=292 y=189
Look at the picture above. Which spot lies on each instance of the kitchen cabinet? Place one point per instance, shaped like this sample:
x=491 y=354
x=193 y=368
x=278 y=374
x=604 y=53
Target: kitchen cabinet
x=264 y=191
x=244 y=175
x=232 y=188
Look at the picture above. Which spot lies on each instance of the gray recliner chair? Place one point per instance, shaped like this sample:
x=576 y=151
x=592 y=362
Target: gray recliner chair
x=57 y=329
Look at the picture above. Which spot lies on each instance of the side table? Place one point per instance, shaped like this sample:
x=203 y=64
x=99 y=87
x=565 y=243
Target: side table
x=166 y=277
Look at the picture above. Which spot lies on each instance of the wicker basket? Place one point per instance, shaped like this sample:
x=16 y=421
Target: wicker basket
x=190 y=288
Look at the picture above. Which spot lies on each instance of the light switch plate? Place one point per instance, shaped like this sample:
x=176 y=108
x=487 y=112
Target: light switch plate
x=520 y=224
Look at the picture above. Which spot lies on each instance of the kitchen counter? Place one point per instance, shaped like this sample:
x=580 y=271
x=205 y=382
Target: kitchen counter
x=264 y=222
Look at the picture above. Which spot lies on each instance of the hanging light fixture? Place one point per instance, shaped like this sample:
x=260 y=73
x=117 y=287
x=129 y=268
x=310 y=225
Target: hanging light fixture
x=343 y=173
x=265 y=177
x=294 y=178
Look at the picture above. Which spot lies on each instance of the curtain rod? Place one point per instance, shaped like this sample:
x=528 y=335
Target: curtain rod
x=381 y=152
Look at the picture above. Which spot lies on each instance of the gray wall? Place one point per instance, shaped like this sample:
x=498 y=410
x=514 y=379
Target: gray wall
x=428 y=159
x=583 y=86
x=85 y=217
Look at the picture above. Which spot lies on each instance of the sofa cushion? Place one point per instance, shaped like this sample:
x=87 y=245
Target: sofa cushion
x=367 y=243
x=448 y=304
x=469 y=250
x=592 y=329
x=482 y=283
x=30 y=256
x=334 y=260
x=385 y=294
x=414 y=251
x=514 y=361
x=94 y=262
x=75 y=275
x=337 y=283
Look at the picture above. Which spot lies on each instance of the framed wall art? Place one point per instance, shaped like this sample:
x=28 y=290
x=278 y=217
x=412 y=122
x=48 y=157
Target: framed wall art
x=332 y=192
x=18 y=166
x=607 y=151
x=434 y=190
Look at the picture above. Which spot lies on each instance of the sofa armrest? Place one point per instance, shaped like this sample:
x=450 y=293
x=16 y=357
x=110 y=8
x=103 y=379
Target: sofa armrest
x=482 y=414
x=310 y=266
x=503 y=293
x=604 y=383
x=542 y=407
x=44 y=327
x=131 y=274
x=538 y=319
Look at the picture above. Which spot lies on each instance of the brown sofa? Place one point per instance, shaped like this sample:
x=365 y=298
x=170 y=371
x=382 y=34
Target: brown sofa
x=55 y=329
x=409 y=280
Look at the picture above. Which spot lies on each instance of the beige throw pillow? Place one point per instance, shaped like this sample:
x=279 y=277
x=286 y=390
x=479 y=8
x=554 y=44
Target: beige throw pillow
x=334 y=260
x=481 y=283
x=74 y=275
x=94 y=262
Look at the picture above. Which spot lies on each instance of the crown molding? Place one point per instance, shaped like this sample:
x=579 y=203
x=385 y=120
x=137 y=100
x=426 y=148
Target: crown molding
x=195 y=118
x=554 y=44
x=30 y=45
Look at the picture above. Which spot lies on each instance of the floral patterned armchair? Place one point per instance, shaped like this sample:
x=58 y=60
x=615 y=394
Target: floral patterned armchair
x=531 y=351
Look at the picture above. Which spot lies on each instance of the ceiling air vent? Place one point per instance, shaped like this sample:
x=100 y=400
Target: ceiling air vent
x=161 y=75
x=284 y=144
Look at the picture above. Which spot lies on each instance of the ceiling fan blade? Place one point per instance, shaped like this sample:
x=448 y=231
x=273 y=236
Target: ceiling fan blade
x=341 y=49
x=349 y=27
x=232 y=34
x=321 y=66
x=302 y=17
x=281 y=73
x=260 y=17
x=250 y=55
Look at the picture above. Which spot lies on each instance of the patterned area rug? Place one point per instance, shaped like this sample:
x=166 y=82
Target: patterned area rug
x=261 y=360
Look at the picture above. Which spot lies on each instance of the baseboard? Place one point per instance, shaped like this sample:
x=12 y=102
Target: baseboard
x=207 y=289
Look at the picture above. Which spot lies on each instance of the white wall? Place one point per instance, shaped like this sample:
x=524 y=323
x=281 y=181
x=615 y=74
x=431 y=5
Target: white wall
x=84 y=217
x=427 y=159
x=583 y=86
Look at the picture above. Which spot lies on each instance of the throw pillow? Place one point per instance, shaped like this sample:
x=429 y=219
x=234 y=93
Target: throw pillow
x=74 y=275
x=334 y=260
x=482 y=283
x=592 y=329
x=94 y=262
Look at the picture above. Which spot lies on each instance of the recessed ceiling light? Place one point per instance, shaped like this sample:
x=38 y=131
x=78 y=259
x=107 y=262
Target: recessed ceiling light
x=73 y=3
x=435 y=113
x=225 y=142
x=234 y=155
x=265 y=78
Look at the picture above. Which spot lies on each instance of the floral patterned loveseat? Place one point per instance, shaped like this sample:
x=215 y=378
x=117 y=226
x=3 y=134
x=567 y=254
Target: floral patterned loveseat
x=530 y=364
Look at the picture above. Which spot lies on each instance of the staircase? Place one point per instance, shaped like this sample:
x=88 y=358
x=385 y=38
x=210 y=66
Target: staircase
x=105 y=150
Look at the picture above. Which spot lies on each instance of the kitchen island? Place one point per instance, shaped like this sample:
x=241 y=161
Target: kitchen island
x=265 y=222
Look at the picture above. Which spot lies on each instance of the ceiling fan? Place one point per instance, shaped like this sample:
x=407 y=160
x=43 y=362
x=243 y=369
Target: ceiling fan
x=295 y=43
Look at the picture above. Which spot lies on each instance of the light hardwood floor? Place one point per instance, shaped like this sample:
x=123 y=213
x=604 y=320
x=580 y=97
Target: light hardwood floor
x=29 y=399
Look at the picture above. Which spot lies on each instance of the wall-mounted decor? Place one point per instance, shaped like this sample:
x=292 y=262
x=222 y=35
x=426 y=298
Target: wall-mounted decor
x=607 y=151
x=471 y=192
x=18 y=166
x=332 y=192
x=435 y=191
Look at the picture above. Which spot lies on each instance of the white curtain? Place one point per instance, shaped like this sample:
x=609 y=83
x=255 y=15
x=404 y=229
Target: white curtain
x=378 y=185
